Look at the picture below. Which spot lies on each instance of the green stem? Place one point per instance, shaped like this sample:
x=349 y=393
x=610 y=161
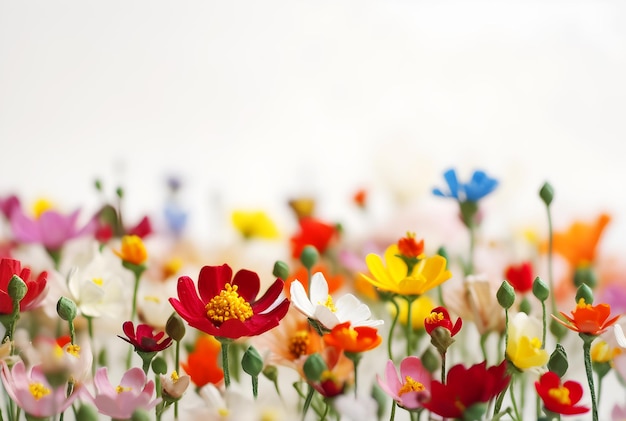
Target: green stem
x=255 y=386
x=543 y=335
x=550 y=252
x=587 y=340
x=133 y=312
x=506 y=330
x=409 y=324
x=472 y=246
x=177 y=367
x=500 y=398
x=393 y=411
x=391 y=329
x=483 y=347
x=225 y=343
x=443 y=368
x=514 y=402
x=307 y=401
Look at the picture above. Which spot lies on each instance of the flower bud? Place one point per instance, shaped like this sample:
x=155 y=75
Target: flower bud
x=159 y=366
x=17 y=288
x=475 y=412
x=524 y=306
x=252 y=362
x=314 y=366
x=430 y=360
x=505 y=295
x=540 y=289
x=174 y=327
x=87 y=413
x=271 y=372
x=281 y=270
x=140 y=415
x=546 y=193
x=585 y=275
x=557 y=329
x=309 y=256
x=585 y=293
x=66 y=309
x=441 y=339
x=558 y=361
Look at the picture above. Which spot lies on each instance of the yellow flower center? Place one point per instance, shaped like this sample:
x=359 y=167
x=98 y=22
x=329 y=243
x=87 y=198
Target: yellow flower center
x=583 y=305
x=174 y=376
x=97 y=281
x=328 y=375
x=38 y=390
x=560 y=394
x=152 y=298
x=41 y=206
x=223 y=412
x=120 y=389
x=434 y=317
x=410 y=385
x=299 y=343
x=73 y=350
x=535 y=343
x=329 y=304
x=228 y=305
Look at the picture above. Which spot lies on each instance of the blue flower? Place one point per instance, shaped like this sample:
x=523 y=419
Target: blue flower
x=478 y=187
x=175 y=217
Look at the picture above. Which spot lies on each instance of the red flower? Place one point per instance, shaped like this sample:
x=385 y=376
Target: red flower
x=592 y=320
x=313 y=232
x=202 y=363
x=36 y=288
x=409 y=246
x=145 y=340
x=353 y=339
x=439 y=317
x=560 y=398
x=466 y=387
x=229 y=309
x=520 y=276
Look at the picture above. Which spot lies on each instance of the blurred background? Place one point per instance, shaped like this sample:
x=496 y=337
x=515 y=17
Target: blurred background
x=250 y=103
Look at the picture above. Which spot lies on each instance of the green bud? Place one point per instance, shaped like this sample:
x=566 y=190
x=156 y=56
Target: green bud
x=441 y=339
x=17 y=288
x=309 y=256
x=120 y=192
x=524 y=306
x=558 y=361
x=506 y=295
x=546 y=193
x=140 y=415
x=159 y=366
x=271 y=372
x=557 y=329
x=585 y=275
x=66 y=309
x=475 y=412
x=281 y=270
x=87 y=413
x=585 y=293
x=540 y=289
x=174 y=327
x=98 y=184
x=430 y=360
x=601 y=368
x=252 y=362
x=314 y=366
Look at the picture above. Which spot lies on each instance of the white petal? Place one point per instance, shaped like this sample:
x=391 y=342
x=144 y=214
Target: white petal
x=319 y=288
x=350 y=308
x=300 y=300
x=326 y=317
x=619 y=335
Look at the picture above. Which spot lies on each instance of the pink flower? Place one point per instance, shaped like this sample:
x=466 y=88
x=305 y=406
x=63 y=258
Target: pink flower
x=121 y=401
x=51 y=229
x=412 y=388
x=32 y=392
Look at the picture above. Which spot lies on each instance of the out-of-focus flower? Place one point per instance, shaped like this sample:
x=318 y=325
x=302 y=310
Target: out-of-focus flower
x=392 y=275
x=322 y=308
x=603 y=352
x=174 y=386
x=413 y=386
x=560 y=398
x=589 y=319
x=303 y=207
x=335 y=281
x=618 y=413
x=420 y=309
x=410 y=248
x=8 y=204
x=313 y=232
x=202 y=363
x=465 y=387
x=353 y=339
x=254 y=224
x=439 y=317
x=33 y=393
x=360 y=198
x=578 y=244
x=227 y=307
x=524 y=344
x=144 y=338
x=36 y=288
x=52 y=229
x=132 y=250
x=338 y=375
x=119 y=402
x=479 y=186
x=520 y=276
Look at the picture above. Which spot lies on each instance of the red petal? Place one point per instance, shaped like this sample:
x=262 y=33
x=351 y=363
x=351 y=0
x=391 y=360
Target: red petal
x=212 y=279
x=248 y=283
x=270 y=296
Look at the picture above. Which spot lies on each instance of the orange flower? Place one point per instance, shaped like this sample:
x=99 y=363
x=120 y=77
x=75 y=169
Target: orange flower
x=588 y=319
x=202 y=364
x=360 y=198
x=132 y=250
x=334 y=281
x=353 y=339
x=410 y=247
x=579 y=243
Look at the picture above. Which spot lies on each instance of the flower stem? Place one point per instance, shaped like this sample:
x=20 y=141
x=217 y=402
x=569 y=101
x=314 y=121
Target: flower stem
x=391 y=329
x=225 y=343
x=587 y=340
x=443 y=368
x=409 y=324
x=393 y=411
x=543 y=336
x=176 y=365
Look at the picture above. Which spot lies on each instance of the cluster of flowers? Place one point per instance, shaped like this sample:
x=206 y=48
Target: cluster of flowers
x=327 y=310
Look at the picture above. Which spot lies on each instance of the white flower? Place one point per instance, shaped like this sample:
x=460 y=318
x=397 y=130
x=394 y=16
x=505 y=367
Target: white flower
x=322 y=308
x=174 y=386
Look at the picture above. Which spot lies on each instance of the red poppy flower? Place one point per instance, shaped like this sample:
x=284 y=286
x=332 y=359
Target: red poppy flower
x=227 y=306
x=313 y=232
x=466 y=387
x=560 y=398
x=589 y=319
x=145 y=340
x=36 y=287
x=202 y=363
x=520 y=276
x=353 y=339
x=439 y=317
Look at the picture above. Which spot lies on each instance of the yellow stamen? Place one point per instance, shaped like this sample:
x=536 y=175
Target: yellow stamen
x=73 y=350
x=535 y=343
x=410 y=385
x=228 y=305
x=97 y=281
x=152 y=298
x=582 y=304
x=560 y=394
x=223 y=412
x=329 y=304
x=38 y=390
x=299 y=343
x=120 y=389
x=328 y=375
x=174 y=376
x=41 y=206
x=434 y=317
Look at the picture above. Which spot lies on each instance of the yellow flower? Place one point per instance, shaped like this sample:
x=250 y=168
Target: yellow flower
x=132 y=250
x=254 y=224
x=524 y=343
x=602 y=352
x=420 y=309
x=427 y=274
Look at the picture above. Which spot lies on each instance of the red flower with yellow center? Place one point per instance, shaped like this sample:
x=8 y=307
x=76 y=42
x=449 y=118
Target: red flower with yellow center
x=353 y=339
x=589 y=319
x=560 y=398
x=227 y=306
x=439 y=317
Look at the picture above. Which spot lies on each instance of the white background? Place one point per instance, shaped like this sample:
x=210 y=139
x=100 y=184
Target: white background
x=254 y=101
